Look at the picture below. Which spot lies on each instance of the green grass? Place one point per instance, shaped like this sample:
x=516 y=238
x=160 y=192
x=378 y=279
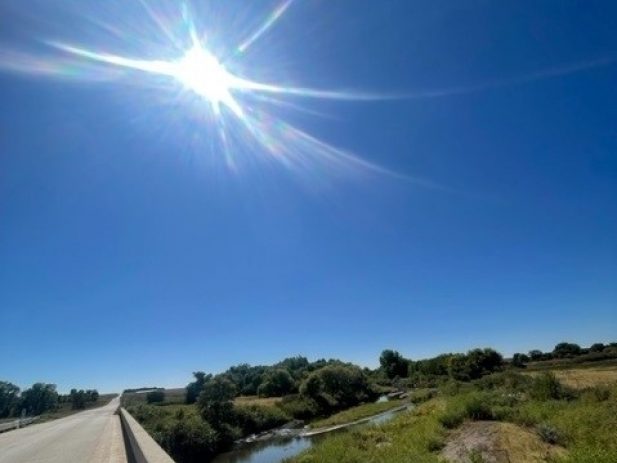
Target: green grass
x=152 y=417
x=412 y=436
x=357 y=413
x=584 y=424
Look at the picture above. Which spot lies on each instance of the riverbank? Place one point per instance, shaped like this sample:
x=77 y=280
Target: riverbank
x=521 y=418
x=357 y=413
x=280 y=446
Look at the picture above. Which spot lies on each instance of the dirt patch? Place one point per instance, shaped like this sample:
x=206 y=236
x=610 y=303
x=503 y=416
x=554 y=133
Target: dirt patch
x=495 y=442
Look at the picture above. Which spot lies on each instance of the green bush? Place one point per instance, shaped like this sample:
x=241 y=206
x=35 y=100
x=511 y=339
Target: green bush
x=276 y=382
x=190 y=439
x=452 y=418
x=256 y=418
x=157 y=396
x=473 y=406
x=478 y=408
x=300 y=407
x=510 y=381
x=337 y=387
x=546 y=386
x=421 y=395
x=596 y=394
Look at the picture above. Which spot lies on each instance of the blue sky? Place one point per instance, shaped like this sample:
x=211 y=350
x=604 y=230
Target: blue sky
x=478 y=207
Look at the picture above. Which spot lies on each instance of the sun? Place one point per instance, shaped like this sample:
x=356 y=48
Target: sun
x=200 y=72
x=246 y=112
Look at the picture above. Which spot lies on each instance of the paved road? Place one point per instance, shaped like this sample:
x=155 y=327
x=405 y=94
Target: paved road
x=91 y=436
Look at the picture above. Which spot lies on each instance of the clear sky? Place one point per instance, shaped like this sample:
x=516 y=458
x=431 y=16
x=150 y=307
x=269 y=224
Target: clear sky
x=325 y=178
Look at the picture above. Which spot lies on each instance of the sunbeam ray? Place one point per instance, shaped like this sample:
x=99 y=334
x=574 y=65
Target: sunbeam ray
x=272 y=18
x=241 y=109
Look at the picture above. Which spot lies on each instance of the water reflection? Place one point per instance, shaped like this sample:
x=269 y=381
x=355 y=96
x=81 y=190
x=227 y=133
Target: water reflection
x=277 y=449
x=270 y=451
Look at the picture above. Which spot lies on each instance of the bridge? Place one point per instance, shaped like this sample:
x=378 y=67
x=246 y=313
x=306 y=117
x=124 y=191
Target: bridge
x=107 y=434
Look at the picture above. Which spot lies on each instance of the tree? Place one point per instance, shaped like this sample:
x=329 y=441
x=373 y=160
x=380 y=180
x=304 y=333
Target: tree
x=437 y=366
x=475 y=364
x=519 y=360
x=338 y=386
x=78 y=399
x=276 y=382
x=566 y=349
x=156 y=396
x=9 y=398
x=194 y=389
x=216 y=401
x=535 y=355
x=39 y=398
x=92 y=395
x=246 y=377
x=394 y=364
x=597 y=347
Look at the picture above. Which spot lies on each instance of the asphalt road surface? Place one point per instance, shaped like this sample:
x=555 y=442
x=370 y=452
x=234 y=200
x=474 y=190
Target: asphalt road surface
x=91 y=436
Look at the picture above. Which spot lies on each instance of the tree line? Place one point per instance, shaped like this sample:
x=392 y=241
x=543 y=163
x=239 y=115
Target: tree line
x=568 y=350
x=40 y=398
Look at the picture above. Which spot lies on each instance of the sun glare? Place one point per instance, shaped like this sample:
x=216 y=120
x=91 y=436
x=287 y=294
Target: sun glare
x=253 y=107
x=199 y=71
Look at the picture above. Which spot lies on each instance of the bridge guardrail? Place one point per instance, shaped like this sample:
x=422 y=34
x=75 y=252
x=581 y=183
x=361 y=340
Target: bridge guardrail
x=17 y=423
x=141 y=446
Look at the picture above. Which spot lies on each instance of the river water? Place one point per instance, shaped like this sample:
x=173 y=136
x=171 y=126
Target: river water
x=277 y=449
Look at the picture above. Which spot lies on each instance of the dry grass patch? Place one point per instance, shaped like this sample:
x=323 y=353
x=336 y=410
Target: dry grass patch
x=256 y=400
x=582 y=378
x=495 y=442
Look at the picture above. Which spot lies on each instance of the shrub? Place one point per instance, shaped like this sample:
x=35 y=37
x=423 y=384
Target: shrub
x=474 y=406
x=256 y=418
x=336 y=387
x=190 y=439
x=421 y=395
x=596 y=394
x=510 y=381
x=478 y=408
x=276 y=382
x=547 y=387
x=451 y=387
x=155 y=396
x=215 y=402
x=300 y=407
x=452 y=418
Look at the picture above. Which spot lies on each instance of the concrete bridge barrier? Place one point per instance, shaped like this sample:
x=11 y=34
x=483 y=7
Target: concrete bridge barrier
x=141 y=448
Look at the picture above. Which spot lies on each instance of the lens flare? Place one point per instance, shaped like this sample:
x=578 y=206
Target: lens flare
x=242 y=109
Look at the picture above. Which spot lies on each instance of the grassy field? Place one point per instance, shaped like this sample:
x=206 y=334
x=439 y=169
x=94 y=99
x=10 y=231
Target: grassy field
x=516 y=418
x=256 y=400
x=177 y=396
x=572 y=363
x=65 y=409
x=357 y=413
x=581 y=378
x=172 y=396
